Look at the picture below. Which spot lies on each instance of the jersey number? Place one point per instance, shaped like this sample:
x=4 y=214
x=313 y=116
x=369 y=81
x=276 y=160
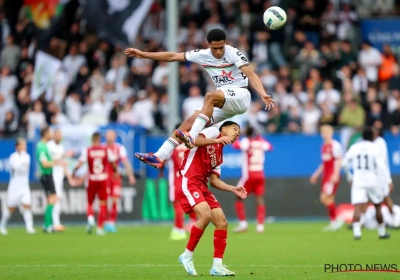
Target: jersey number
x=360 y=165
x=98 y=166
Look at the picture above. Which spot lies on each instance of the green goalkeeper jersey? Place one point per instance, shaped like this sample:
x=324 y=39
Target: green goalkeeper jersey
x=43 y=153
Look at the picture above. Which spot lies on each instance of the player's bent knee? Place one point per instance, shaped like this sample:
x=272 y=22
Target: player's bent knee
x=26 y=207
x=221 y=224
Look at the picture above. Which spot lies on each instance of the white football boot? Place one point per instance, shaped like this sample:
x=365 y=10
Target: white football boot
x=220 y=270
x=188 y=264
x=3 y=231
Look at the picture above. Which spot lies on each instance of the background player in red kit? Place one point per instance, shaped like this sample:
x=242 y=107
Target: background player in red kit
x=200 y=163
x=331 y=155
x=98 y=159
x=253 y=177
x=115 y=179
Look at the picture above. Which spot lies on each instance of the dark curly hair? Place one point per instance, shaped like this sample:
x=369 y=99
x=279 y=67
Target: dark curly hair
x=216 y=35
x=228 y=123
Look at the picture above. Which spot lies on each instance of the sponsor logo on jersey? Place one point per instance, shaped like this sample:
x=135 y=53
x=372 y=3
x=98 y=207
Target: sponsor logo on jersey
x=224 y=79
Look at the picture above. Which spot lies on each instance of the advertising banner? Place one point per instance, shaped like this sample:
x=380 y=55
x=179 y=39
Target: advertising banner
x=382 y=31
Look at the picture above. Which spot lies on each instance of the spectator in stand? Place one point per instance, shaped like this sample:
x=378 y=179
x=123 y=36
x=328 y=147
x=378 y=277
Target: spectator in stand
x=144 y=110
x=377 y=115
x=73 y=107
x=193 y=102
x=328 y=23
x=294 y=119
x=308 y=21
x=370 y=59
x=311 y=116
x=395 y=119
x=36 y=119
x=127 y=116
x=268 y=79
x=10 y=54
x=352 y=115
x=10 y=126
x=389 y=60
x=327 y=117
x=73 y=62
x=346 y=55
x=360 y=82
x=347 y=18
x=393 y=101
x=328 y=95
x=394 y=81
x=4 y=108
x=260 y=49
x=307 y=58
x=8 y=83
x=314 y=81
x=297 y=98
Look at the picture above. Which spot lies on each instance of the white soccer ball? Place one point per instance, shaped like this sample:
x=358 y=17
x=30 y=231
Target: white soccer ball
x=275 y=18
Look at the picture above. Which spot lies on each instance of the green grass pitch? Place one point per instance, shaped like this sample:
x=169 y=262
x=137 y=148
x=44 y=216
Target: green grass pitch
x=283 y=251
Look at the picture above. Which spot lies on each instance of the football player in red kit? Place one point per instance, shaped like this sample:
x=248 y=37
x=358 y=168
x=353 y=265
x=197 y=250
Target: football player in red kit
x=331 y=155
x=175 y=183
x=253 y=177
x=98 y=159
x=203 y=164
x=115 y=179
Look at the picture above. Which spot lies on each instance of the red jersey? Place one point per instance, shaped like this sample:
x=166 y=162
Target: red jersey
x=98 y=160
x=119 y=152
x=201 y=162
x=329 y=153
x=253 y=152
x=175 y=163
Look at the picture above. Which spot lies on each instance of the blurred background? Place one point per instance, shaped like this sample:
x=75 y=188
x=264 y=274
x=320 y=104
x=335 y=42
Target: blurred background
x=62 y=63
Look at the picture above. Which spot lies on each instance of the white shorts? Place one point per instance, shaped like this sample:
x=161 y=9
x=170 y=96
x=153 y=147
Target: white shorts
x=17 y=195
x=237 y=102
x=58 y=184
x=363 y=195
x=385 y=189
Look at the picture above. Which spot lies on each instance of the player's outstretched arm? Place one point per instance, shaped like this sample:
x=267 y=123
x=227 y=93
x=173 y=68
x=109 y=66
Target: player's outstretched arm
x=202 y=141
x=217 y=183
x=256 y=83
x=160 y=56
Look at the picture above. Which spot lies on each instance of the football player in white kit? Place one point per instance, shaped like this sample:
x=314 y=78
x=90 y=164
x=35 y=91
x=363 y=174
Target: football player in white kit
x=18 y=192
x=368 y=167
x=230 y=72
x=57 y=152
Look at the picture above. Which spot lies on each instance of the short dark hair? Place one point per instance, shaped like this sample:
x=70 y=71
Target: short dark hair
x=249 y=131
x=368 y=134
x=377 y=131
x=43 y=131
x=228 y=123
x=96 y=136
x=216 y=35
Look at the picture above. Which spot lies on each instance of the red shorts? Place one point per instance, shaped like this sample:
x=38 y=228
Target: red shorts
x=255 y=185
x=192 y=193
x=329 y=188
x=98 y=188
x=114 y=186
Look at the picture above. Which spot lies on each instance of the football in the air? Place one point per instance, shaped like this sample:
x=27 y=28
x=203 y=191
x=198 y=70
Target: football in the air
x=275 y=18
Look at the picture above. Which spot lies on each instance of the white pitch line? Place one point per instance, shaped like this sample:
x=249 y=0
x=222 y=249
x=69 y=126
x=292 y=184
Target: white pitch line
x=154 y=265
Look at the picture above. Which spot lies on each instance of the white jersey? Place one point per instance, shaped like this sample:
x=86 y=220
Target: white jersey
x=367 y=165
x=383 y=151
x=57 y=152
x=20 y=164
x=224 y=72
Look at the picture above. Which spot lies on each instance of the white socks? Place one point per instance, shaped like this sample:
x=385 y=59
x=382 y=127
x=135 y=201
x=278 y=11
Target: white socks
x=56 y=214
x=28 y=218
x=243 y=224
x=91 y=220
x=381 y=229
x=188 y=253
x=4 y=218
x=198 y=125
x=167 y=148
x=357 y=229
x=217 y=262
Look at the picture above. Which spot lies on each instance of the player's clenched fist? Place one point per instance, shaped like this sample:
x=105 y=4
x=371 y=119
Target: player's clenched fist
x=240 y=192
x=131 y=52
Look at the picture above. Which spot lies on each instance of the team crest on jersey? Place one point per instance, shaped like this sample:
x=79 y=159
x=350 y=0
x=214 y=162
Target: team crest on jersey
x=196 y=195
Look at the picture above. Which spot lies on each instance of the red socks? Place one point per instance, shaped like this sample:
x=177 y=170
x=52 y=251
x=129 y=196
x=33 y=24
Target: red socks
x=195 y=235
x=113 y=212
x=240 y=211
x=89 y=210
x=219 y=243
x=179 y=215
x=332 y=211
x=102 y=216
x=260 y=214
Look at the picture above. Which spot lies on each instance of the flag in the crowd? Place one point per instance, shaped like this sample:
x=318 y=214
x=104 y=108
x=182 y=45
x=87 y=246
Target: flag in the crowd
x=46 y=69
x=118 y=20
x=41 y=12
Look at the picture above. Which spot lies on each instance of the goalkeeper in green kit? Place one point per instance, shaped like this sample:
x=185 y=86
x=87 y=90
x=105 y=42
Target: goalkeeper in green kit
x=46 y=177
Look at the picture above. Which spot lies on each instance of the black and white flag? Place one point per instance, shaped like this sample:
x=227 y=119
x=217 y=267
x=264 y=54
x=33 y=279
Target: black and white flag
x=117 y=20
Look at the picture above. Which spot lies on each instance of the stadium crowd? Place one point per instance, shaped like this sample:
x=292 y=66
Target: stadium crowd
x=315 y=67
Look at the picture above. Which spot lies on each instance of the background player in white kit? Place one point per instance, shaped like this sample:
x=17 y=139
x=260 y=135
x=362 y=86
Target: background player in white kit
x=57 y=152
x=230 y=72
x=368 y=166
x=18 y=192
